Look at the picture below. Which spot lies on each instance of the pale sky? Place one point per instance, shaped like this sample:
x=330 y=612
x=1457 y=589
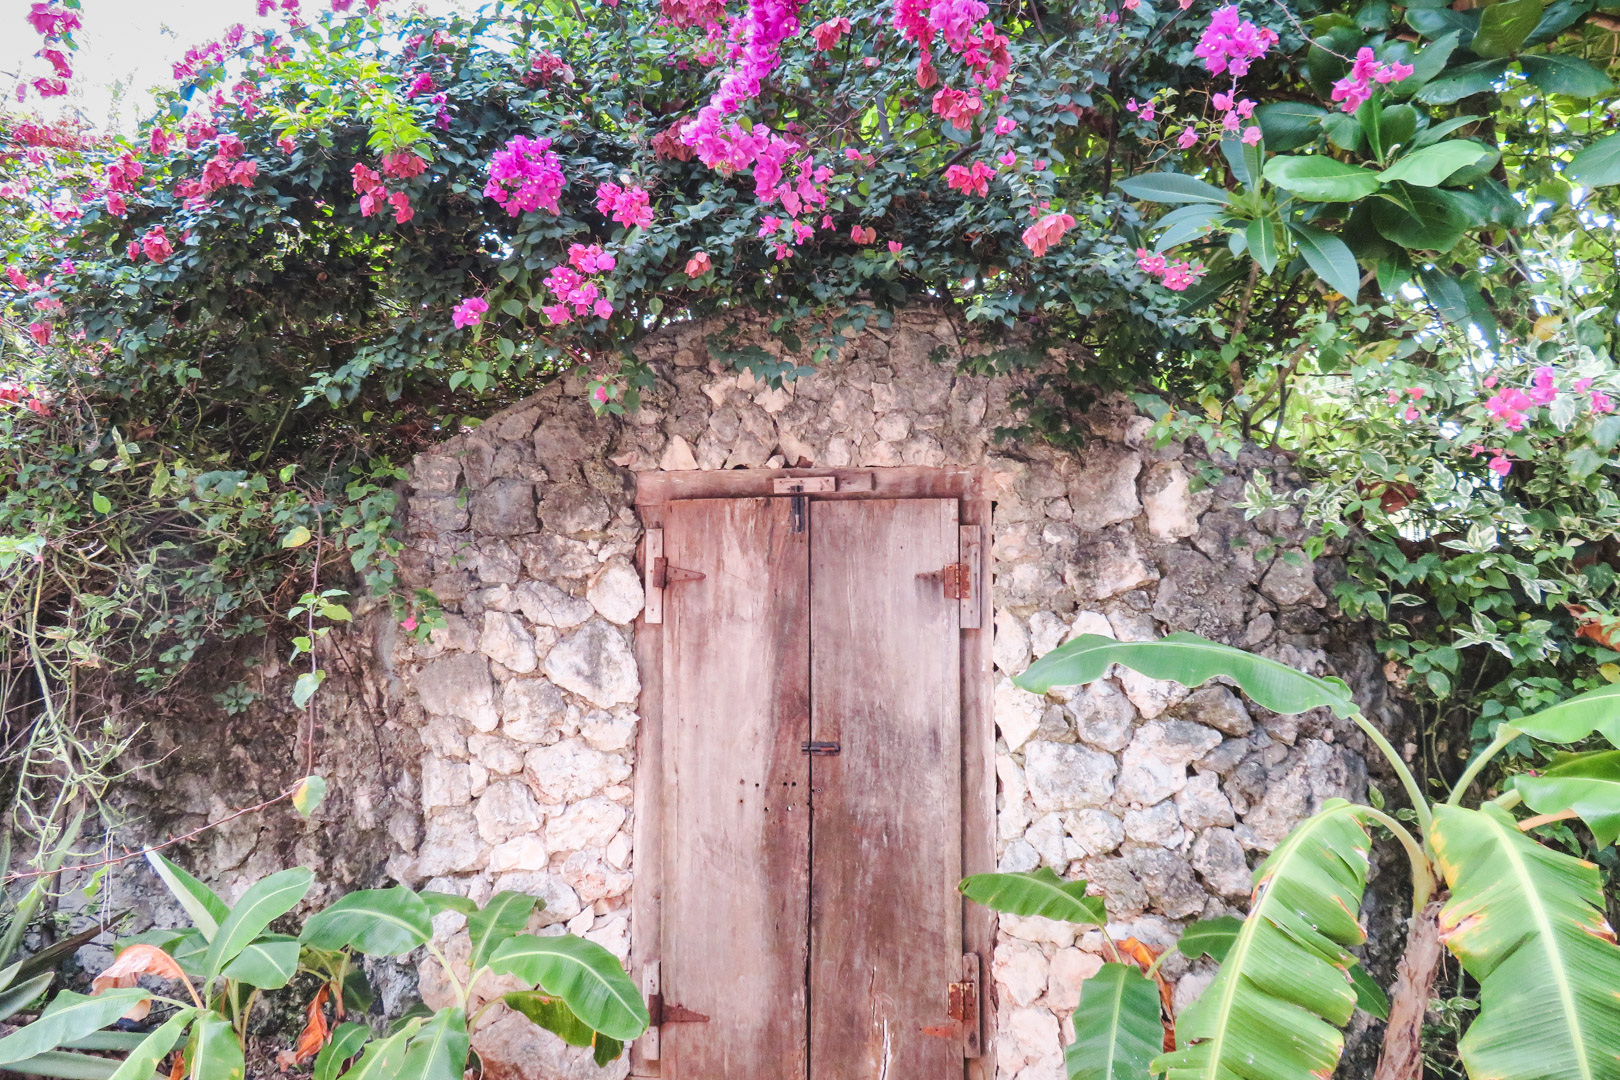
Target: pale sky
x=126 y=46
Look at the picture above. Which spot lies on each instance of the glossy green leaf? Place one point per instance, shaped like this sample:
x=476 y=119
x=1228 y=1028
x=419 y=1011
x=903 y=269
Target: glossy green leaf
x=1245 y=160
x=1192 y=661
x=1428 y=63
x=1573 y=719
x=442 y=901
x=1185 y=223
x=377 y=922
x=143 y=1061
x=1035 y=892
x=1559 y=73
x=551 y=1013
x=205 y=909
x=265 y=901
x=1480 y=77
x=1288 y=125
x=14 y=998
x=1588 y=784
x=268 y=962
x=1320 y=178
x=65 y=1065
x=1598 y=165
x=1504 y=26
x=1420 y=218
x=504 y=917
x=1329 y=257
x=1262 y=237
x=1527 y=922
x=69 y=1016
x=585 y=975
x=383 y=1058
x=1390 y=127
x=1172 y=188
x=1209 y=937
x=439 y=1050
x=1116 y=1026
x=346 y=1041
x=1273 y=1011
x=1370 y=997
x=214 y=1053
x=1431 y=165
x=311 y=790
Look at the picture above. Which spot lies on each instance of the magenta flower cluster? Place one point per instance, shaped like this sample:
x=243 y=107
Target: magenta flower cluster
x=1356 y=87
x=525 y=176
x=629 y=206
x=1231 y=43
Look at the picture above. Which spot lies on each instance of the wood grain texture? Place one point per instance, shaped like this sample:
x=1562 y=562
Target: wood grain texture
x=905 y=482
x=885 y=917
x=736 y=843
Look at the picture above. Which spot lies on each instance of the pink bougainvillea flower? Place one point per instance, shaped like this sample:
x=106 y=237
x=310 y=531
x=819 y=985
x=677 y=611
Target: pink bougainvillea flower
x=629 y=206
x=1150 y=263
x=1500 y=464
x=590 y=260
x=1188 y=136
x=1231 y=42
x=470 y=312
x=1146 y=111
x=1601 y=402
x=1006 y=125
x=826 y=34
x=156 y=244
x=403 y=211
x=1508 y=406
x=40 y=332
x=1251 y=135
x=115 y=204
x=525 y=176
x=422 y=84
x=698 y=265
x=1047 y=231
x=1008 y=159
x=957 y=107
x=896 y=247
x=50 y=87
x=1178 y=276
x=403 y=165
x=1356 y=87
x=974 y=180
x=408 y=623
x=16 y=277
x=862 y=235
x=602 y=309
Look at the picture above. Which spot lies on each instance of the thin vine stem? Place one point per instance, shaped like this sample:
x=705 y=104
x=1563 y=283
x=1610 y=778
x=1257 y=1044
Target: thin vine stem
x=1504 y=735
x=1420 y=804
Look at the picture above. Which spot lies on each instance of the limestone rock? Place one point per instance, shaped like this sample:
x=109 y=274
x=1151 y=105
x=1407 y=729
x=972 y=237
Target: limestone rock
x=510 y=1047
x=450 y=845
x=1020 y=968
x=1218 y=858
x=571 y=770
x=1070 y=968
x=1172 y=508
x=1159 y=825
x=1219 y=708
x=1103 y=715
x=1154 y=766
x=595 y=662
x=1097 y=831
x=1168 y=881
x=1109 y=877
x=519 y=853
x=1046 y=632
x=1019 y=857
x=543 y=604
x=1201 y=803
x=459 y=685
x=1104 y=491
x=615 y=592
x=1292 y=580
x=444 y=783
x=532 y=710
x=1046 y=836
x=1011 y=649
x=1018 y=713
x=608 y=731
x=504 y=508
x=1152 y=697
x=506 y=641
x=1111 y=566
x=558 y=902
x=589 y=823
x=592 y=878
x=573 y=510
x=506 y=809
x=1064 y=776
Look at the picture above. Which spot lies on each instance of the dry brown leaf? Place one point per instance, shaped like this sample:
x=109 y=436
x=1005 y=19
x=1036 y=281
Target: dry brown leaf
x=177 y=1071
x=132 y=963
x=313 y=1037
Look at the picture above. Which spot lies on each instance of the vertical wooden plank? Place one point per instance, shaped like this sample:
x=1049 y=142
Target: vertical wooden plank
x=647 y=829
x=885 y=917
x=736 y=852
x=979 y=783
x=651 y=989
x=653 y=611
x=968 y=546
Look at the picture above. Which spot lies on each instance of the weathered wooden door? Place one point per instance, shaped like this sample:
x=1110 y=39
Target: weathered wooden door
x=810 y=927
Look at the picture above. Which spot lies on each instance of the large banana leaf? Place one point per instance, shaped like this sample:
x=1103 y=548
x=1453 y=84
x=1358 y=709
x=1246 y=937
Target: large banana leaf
x=503 y=918
x=1039 y=892
x=1588 y=784
x=1116 y=1026
x=1574 y=719
x=265 y=902
x=586 y=976
x=377 y=922
x=1527 y=922
x=1273 y=1011
x=1190 y=660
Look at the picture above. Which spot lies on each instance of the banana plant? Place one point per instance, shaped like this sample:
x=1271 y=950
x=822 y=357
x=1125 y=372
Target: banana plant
x=228 y=957
x=1523 y=919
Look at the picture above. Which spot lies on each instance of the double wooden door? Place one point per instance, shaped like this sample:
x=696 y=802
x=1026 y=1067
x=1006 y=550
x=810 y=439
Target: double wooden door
x=810 y=927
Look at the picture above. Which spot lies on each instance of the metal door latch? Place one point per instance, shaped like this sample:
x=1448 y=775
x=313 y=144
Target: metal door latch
x=661 y=1013
x=827 y=749
x=665 y=575
x=956 y=578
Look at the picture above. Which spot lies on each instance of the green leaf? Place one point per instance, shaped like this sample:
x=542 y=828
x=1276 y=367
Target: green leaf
x=439 y=1051
x=1283 y=990
x=1329 y=257
x=383 y=1058
x=1116 y=1026
x=513 y=308
x=1192 y=661
x=443 y=901
x=1429 y=62
x=101 y=503
x=1558 y=73
x=1597 y=165
x=346 y=1041
x=69 y=1066
x=1588 y=784
x=1370 y=997
x=1395 y=125
x=1504 y=25
x=1288 y=125
x=1185 y=223
x=1172 y=188
x=70 y=1016
x=1431 y=165
x=306 y=685
x=1573 y=719
x=1036 y=892
x=1420 y=218
x=267 y=963
x=552 y=1014
x=377 y=922
x=1244 y=160
x=14 y=998
x=582 y=973
x=214 y=1053
x=504 y=917
x=142 y=1062
x=1210 y=937
x=1446 y=293
x=1320 y=178
x=1262 y=237
x=1528 y=923
x=297 y=538
x=311 y=790
x=1467 y=80
x=265 y=902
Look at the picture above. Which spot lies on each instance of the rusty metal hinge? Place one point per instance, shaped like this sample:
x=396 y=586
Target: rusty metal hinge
x=964 y=1007
x=956 y=578
x=661 y=1013
x=827 y=749
x=665 y=575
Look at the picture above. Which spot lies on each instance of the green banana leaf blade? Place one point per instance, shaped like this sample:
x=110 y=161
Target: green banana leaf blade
x=1116 y=1026
x=1527 y=922
x=1283 y=991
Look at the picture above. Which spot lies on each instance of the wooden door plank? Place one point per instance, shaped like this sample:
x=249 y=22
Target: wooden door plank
x=885 y=917
x=979 y=784
x=736 y=852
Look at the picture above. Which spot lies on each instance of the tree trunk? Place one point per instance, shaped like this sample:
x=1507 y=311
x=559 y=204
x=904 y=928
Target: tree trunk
x=1402 y=1058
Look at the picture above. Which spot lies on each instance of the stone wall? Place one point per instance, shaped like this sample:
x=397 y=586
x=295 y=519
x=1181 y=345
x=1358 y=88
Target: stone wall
x=1163 y=799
